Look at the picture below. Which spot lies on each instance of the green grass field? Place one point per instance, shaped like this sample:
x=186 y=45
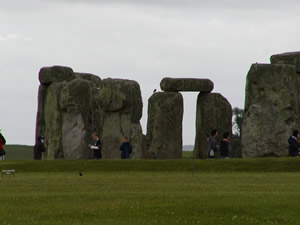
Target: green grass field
x=236 y=191
x=18 y=152
x=24 y=152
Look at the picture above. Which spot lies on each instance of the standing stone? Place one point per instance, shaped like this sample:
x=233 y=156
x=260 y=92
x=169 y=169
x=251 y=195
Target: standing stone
x=213 y=112
x=122 y=104
x=164 y=126
x=270 y=110
x=68 y=112
x=186 y=84
x=290 y=58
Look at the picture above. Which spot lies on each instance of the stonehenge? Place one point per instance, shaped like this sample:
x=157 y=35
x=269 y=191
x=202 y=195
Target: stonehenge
x=71 y=106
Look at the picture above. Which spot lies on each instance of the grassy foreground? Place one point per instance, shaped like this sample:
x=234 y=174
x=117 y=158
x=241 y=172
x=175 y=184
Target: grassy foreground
x=237 y=191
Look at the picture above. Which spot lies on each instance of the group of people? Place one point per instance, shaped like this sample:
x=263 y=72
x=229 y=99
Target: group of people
x=213 y=147
x=125 y=147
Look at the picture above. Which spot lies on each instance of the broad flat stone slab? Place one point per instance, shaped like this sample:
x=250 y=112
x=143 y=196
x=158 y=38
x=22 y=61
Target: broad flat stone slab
x=186 y=84
x=291 y=58
x=271 y=110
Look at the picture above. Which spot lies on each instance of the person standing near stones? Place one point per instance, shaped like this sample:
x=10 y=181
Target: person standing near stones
x=294 y=144
x=212 y=147
x=96 y=147
x=2 y=142
x=125 y=148
x=224 y=146
x=39 y=148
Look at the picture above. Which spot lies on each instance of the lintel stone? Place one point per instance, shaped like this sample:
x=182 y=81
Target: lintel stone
x=186 y=84
x=291 y=58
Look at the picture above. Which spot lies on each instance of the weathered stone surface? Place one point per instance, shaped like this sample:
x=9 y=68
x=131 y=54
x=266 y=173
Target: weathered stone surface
x=213 y=112
x=186 y=84
x=118 y=95
x=290 y=58
x=164 y=126
x=90 y=77
x=68 y=113
x=270 y=110
x=121 y=101
x=48 y=75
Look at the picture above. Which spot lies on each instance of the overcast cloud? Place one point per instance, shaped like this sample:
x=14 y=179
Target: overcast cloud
x=140 y=40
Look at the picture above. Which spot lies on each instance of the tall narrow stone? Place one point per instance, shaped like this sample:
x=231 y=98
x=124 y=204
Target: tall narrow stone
x=290 y=58
x=164 y=126
x=213 y=112
x=122 y=104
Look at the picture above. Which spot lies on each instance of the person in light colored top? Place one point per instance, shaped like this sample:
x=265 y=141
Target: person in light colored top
x=96 y=147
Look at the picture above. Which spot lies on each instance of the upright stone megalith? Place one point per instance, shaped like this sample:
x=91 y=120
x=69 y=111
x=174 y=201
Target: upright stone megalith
x=122 y=104
x=164 y=126
x=213 y=112
x=271 y=111
x=68 y=112
x=291 y=58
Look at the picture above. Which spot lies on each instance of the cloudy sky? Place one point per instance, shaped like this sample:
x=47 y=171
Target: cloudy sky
x=143 y=40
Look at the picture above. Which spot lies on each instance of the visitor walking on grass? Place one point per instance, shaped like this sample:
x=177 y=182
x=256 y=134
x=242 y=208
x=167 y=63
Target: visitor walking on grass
x=96 y=147
x=2 y=142
x=125 y=148
x=224 y=146
x=212 y=147
x=39 y=148
x=294 y=145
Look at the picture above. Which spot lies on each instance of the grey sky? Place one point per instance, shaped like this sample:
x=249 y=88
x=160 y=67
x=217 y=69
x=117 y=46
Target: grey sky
x=140 y=40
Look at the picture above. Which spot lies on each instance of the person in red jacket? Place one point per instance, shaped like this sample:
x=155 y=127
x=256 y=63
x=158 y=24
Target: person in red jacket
x=2 y=142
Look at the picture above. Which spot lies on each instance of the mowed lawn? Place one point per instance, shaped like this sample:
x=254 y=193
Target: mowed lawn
x=237 y=191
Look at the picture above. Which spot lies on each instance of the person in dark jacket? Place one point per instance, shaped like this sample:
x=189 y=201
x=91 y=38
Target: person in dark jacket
x=212 y=147
x=125 y=148
x=2 y=142
x=96 y=147
x=294 y=144
x=39 y=148
x=224 y=146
